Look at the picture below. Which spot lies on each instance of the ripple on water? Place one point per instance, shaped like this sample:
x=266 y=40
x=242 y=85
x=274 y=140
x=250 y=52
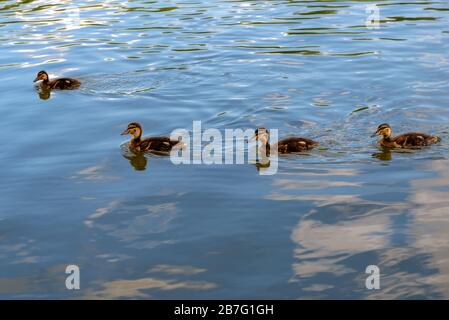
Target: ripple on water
x=141 y=227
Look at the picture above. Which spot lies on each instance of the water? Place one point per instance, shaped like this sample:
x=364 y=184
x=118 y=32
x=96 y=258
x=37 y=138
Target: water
x=145 y=228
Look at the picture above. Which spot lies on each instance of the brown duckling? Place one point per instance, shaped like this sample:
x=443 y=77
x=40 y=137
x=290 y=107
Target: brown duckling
x=160 y=144
x=61 y=83
x=288 y=145
x=406 y=140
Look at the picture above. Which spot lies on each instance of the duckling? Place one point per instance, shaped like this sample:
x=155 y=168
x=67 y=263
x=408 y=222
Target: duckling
x=161 y=144
x=61 y=83
x=406 y=140
x=288 y=145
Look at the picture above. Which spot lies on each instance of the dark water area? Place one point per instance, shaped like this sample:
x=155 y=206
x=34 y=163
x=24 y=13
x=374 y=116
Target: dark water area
x=142 y=227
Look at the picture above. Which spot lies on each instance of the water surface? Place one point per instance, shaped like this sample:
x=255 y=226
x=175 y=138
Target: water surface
x=141 y=227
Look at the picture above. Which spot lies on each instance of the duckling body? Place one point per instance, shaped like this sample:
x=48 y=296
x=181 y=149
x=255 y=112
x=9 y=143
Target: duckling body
x=61 y=83
x=287 y=145
x=295 y=144
x=160 y=144
x=406 y=140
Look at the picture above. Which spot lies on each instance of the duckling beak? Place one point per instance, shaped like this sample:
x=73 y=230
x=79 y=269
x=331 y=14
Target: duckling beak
x=124 y=133
x=35 y=80
x=374 y=134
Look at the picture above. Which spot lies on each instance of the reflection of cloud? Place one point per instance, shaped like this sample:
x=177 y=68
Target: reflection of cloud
x=22 y=251
x=321 y=246
x=314 y=172
x=94 y=173
x=341 y=235
x=287 y=184
x=113 y=257
x=169 y=269
x=430 y=200
x=133 y=288
x=322 y=199
x=318 y=287
x=9 y=286
x=345 y=232
x=100 y=212
x=292 y=189
x=134 y=222
x=155 y=221
x=64 y=13
x=28 y=260
x=32 y=285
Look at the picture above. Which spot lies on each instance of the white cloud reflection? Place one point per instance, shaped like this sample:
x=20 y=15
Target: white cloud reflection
x=342 y=227
x=139 y=288
x=430 y=203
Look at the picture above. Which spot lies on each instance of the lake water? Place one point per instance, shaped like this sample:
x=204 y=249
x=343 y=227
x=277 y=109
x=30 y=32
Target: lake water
x=142 y=227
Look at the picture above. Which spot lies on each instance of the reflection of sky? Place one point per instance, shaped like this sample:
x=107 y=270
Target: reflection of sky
x=50 y=28
x=132 y=222
x=136 y=288
x=342 y=235
x=67 y=194
x=430 y=209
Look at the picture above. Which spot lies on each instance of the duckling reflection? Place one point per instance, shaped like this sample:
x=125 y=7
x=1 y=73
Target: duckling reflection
x=43 y=93
x=262 y=165
x=137 y=160
x=384 y=155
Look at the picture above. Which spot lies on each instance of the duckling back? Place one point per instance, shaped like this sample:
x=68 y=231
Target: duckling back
x=415 y=139
x=295 y=144
x=64 y=84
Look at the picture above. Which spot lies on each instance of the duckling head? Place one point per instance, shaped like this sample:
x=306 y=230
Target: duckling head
x=262 y=135
x=134 y=129
x=41 y=75
x=383 y=130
